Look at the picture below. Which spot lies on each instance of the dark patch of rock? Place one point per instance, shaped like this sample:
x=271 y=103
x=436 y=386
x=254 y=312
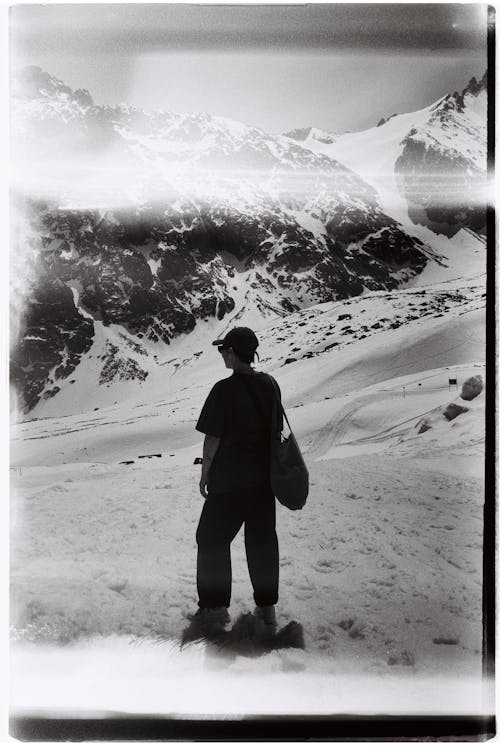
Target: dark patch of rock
x=472 y=387
x=454 y=410
x=423 y=427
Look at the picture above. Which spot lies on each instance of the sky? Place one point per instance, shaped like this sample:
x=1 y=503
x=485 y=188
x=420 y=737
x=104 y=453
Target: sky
x=338 y=67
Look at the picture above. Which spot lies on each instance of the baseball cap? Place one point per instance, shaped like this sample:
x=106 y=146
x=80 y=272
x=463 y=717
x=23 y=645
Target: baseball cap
x=241 y=339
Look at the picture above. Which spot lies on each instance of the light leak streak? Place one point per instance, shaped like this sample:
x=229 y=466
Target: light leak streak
x=114 y=675
x=83 y=185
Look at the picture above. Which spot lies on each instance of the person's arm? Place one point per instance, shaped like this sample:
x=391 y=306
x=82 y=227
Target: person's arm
x=210 y=446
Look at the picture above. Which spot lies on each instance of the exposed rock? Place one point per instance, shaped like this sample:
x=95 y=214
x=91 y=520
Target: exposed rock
x=445 y=184
x=119 y=368
x=54 y=336
x=384 y=121
x=423 y=426
x=472 y=387
x=445 y=640
x=157 y=268
x=453 y=410
x=313 y=133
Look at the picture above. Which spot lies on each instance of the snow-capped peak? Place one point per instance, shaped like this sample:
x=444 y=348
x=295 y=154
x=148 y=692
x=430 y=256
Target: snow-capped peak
x=33 y=83
x=312 y=133
x=431 y=158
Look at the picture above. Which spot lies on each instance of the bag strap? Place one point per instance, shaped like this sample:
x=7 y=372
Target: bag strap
x=278 y=399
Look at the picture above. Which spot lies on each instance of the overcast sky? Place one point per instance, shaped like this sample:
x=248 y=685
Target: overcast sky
x=339 y=67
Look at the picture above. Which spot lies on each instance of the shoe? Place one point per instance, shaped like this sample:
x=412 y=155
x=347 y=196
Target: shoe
x=267 y=614
x=206 y=624
x=216 y=615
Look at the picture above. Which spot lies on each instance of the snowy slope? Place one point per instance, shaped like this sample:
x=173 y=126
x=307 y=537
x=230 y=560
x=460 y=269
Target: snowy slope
x=382 y=568
x=452 y=130
x=373 y=152
x=381 y=327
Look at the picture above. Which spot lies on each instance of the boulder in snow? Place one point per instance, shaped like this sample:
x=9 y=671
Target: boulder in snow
x=472 y=388
x=118 y=584
x=423 y=426
x=453 y=410
x=445 y=640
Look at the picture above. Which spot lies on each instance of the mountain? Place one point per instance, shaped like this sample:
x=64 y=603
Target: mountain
x=428 y=165
x=383 y=120
x=132 y=228
x=442 y=167
x=312 y=133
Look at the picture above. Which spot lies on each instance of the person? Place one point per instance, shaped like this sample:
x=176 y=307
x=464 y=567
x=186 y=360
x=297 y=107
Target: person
x=235 y=484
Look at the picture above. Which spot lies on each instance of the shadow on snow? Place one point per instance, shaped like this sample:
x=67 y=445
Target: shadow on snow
x=248 y=636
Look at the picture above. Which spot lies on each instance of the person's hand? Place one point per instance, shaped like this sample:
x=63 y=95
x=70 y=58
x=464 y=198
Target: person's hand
x=203 y=488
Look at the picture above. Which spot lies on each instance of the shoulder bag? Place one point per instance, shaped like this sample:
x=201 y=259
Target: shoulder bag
x=288 y=472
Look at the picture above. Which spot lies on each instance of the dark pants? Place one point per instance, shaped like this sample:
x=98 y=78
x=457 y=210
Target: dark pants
x=222 y=516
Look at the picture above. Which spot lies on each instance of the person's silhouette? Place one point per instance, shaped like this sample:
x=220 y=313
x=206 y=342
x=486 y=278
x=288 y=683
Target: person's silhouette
x=236 y=420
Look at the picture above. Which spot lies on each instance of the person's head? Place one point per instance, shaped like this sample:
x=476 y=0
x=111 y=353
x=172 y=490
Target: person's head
x=238 y=347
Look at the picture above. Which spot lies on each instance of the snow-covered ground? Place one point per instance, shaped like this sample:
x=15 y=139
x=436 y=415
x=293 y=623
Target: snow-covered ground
x=383 y=567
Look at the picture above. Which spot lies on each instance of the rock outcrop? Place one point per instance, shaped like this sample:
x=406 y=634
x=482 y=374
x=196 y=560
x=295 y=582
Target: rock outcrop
x=442 y=168
x=472 y=387
x=154 y=221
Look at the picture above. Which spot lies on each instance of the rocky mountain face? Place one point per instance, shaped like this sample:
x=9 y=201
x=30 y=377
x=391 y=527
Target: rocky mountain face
x=312 y=133
x=442 y=168
x=149 y=222
x=435 y=158
x=384 y=120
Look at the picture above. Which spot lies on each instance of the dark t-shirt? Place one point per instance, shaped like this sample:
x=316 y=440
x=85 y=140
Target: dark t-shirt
x=230 y=413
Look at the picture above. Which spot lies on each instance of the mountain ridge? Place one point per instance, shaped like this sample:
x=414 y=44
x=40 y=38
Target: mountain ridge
x=433 y=158
x=238 y=225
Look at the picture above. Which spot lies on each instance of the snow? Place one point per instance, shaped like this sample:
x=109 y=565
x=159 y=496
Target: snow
x=372 y=154
x=384 y=561
x=381 y=566
x=119 y=675
x=307 y=221
x=441 y=324
x=154 y=264
x=76 y=288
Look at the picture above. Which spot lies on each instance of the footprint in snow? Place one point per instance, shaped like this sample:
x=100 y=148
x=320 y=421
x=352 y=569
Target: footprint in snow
x=346 y=623
x=379 y=581
x=400 y=658
x=355 y=629
x=304 y=596
x=323 y=565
